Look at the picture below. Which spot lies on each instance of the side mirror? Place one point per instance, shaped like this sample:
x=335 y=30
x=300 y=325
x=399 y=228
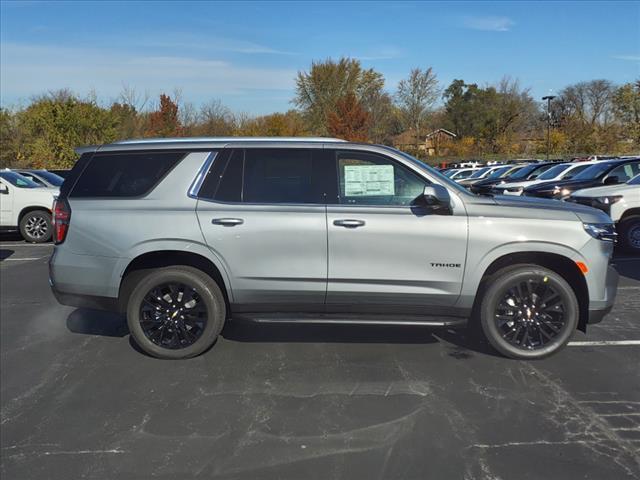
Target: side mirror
x=436 y=195
x=4 y=190
x=612 y=180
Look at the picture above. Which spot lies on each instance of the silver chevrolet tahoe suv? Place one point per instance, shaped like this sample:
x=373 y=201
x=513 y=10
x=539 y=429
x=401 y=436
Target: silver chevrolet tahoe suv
x=183 y=235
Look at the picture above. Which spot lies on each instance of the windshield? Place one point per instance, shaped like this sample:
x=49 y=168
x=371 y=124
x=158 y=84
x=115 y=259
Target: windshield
x=498 y=172
x=18 y=180
x=432 y=171
x=52 y=178
x=634 y=181
x=448 y=173
x=553 y=172
x=479 y=173
x=594 y=171
x=523 y=173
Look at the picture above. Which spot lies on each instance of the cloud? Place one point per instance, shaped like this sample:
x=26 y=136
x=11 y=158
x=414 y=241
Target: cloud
x=33 y=69
x=489 y=23
x=630 y=58
x=384 y=53
x=190 y=41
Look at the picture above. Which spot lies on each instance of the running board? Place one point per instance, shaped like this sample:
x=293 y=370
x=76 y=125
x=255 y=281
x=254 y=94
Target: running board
x=350 y=319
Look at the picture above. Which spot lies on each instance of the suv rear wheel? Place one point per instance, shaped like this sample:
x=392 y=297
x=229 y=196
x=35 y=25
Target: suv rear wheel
x=35 y=226
x=528 y=312
x=175 y=312
x=629 y=234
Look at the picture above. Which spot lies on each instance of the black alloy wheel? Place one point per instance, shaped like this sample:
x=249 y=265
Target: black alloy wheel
x=528 y=311
x=173 y=315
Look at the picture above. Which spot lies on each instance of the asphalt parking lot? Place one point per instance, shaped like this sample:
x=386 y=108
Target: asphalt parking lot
x=79 y=401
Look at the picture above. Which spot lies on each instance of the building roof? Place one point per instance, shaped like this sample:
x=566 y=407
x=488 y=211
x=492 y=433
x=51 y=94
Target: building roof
x=441 y=130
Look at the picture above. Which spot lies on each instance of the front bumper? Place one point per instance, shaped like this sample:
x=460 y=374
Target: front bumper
x=599 y=309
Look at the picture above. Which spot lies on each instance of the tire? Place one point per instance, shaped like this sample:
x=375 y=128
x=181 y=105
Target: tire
x=159 y=326
x=533 y=322
x=36 y=227
x=629 y=234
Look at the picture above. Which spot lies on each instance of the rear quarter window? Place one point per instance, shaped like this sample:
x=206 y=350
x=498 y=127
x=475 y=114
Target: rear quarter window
x=129 y=174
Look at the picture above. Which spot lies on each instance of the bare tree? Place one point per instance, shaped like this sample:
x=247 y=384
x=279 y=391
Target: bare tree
x=215 y=119
x=415 y=97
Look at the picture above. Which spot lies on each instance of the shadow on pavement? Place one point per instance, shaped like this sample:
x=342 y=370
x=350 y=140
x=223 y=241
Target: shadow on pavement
x=96 y=322
x=11 y=236
x=6 y=253
x=628 y=267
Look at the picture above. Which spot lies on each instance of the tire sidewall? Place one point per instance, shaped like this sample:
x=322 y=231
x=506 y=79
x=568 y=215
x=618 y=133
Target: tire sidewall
x=495 y=292
x=209 y=293
x=41 y=214
x=625 y=228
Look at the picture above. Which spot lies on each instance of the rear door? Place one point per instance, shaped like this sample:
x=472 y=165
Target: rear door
x=263 y=213
x=387 y=253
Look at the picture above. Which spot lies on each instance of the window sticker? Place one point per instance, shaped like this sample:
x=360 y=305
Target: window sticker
x=368 y=180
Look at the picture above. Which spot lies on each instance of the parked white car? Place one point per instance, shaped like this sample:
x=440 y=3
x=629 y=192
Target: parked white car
x=562 y=171
x=622 y=203
x=25 y=206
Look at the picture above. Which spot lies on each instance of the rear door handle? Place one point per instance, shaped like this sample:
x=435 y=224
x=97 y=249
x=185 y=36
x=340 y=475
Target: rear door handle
x=227 y=222
x=349 y=223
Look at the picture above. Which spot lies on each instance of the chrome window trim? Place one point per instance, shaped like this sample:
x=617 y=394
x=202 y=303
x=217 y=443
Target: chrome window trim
x=194 y=189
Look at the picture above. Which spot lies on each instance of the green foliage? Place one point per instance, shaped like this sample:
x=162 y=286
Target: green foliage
x=52 y=126
x=318 y=91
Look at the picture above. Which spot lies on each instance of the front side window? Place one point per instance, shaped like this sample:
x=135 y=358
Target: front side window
x=368 y=179
x=625 y=172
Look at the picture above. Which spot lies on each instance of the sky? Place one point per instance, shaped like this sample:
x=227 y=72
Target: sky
x=248 y=54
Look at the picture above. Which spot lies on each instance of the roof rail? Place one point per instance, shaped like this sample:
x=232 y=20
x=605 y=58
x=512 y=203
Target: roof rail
x=227 y=139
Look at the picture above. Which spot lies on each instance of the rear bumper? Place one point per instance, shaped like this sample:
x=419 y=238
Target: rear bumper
x=598 y=309
x=84 y=301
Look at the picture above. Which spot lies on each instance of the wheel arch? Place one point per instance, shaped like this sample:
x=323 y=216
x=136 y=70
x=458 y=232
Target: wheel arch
x=631 y=212
x=560 y=264
x=166 y=258
x=32 y=208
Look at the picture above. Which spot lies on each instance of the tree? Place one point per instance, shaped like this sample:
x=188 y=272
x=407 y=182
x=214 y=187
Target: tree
x=349 y=121
x=215 y=119
x=53 y=125
x=415 y=96
x=8 y=140
x=164 y=122
x=318 y=91
x=626 y=109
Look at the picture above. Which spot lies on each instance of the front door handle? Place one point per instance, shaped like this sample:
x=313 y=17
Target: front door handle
x=227 y=222
x=349 y=223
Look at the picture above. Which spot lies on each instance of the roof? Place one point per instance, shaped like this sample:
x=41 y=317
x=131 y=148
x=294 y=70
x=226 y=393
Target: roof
x=441 y=130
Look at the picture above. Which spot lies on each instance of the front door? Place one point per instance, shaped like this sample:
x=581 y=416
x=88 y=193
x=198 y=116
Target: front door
x=266 y=220
x=387 y=253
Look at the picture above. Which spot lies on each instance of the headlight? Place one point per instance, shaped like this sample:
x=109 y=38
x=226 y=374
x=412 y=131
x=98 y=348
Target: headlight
x=601 y=231
x=561 y=192
x=608 y=200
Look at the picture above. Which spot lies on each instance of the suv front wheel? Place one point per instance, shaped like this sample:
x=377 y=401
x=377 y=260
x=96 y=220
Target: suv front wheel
x=175 y=312
x=528 y=312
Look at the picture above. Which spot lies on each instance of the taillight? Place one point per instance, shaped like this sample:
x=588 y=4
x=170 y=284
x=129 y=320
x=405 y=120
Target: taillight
x=61 y=218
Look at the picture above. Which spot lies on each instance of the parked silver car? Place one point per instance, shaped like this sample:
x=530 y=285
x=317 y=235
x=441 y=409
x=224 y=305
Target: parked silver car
x=185 y=234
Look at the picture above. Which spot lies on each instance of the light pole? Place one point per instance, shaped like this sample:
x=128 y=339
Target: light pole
x=548 y=98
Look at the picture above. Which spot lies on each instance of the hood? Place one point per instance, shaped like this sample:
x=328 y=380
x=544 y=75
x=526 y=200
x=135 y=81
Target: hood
x=544 y=208
x=605 y=190
x=524 y=183
x=570 y=184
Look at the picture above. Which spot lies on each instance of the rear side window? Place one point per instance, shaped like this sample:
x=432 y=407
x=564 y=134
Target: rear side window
x=128 y=174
